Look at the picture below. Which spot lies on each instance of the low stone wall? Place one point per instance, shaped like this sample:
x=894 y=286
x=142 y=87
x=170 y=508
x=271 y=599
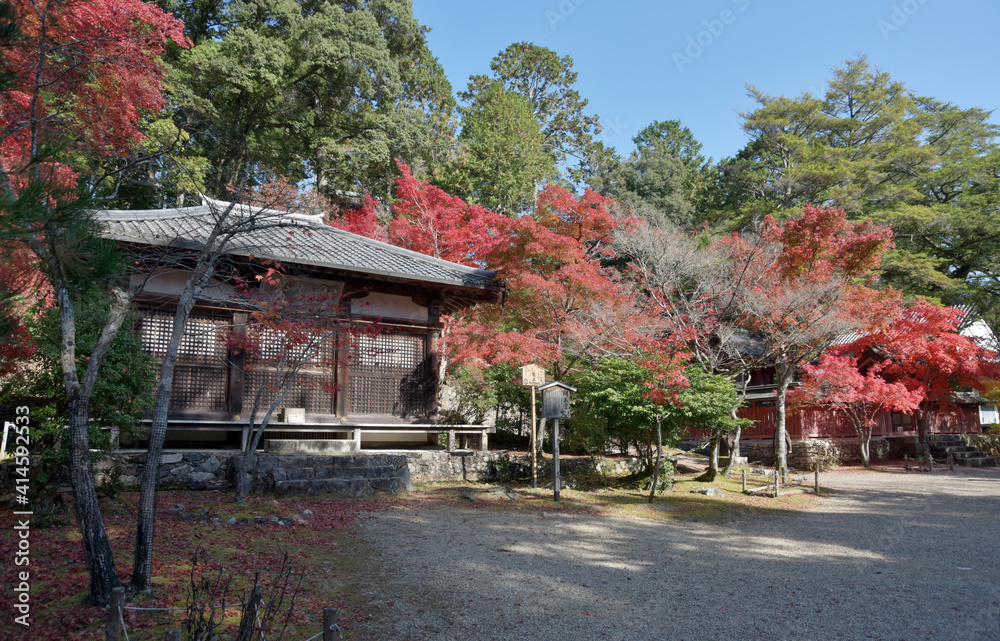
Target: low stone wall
x=431 y=466
x=806 y=455
x=988 y=443
x=214 y=469
x=352 y=475
x=191 y=470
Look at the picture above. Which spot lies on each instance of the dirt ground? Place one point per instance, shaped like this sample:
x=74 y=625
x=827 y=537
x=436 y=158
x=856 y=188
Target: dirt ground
x=881 y=555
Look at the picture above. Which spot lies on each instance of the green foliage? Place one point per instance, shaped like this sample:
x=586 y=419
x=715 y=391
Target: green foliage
x=479 y=392
x=874 y=148
x=709 y=402
x=504 y=158
x=123 y=392
x=546 y=81
x=615 y=408
x=617 y=411
x=332 y=91
x=665 y=173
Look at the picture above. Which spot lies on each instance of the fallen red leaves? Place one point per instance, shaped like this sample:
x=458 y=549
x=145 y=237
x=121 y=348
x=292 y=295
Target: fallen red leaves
x=59 y=580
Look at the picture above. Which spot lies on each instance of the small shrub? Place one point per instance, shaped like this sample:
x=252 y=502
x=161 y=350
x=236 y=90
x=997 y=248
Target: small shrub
x=48 y=514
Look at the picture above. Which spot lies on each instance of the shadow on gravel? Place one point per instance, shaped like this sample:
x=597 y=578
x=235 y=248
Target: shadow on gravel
x=885 y=556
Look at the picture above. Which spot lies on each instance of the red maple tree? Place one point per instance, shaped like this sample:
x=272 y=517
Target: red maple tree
x=841 y=383
x=800 y=284
x=81 y=73
x=923 y=350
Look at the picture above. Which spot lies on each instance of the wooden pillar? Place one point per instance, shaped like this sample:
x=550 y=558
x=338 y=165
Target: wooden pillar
x=237 y=370
x=330 y=629
x=555 y=457
x=356 y=435
x=114 y=629
x=483 y=442
x=534 y=441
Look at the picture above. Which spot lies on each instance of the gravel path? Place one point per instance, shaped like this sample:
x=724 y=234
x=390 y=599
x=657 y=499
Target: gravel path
x=892 y=556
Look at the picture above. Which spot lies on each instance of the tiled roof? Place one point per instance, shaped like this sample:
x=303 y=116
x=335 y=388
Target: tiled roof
x=289 y=238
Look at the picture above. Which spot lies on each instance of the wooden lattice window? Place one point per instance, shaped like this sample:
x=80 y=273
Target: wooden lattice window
x=389 y=375
x=312 y=388
x=200 y=372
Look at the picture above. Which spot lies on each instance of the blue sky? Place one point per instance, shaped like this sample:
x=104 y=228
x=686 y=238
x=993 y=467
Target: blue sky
x=644 y=61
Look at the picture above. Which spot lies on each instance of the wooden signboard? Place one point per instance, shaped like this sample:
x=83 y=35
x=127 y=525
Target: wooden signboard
x=532 y=376
x=555 y=400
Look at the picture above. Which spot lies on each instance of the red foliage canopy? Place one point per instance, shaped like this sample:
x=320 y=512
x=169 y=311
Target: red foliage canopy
x=83 y=72
x=922 y=348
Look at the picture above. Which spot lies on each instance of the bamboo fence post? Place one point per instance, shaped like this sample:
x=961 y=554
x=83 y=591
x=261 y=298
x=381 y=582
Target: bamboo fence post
x=744 y=481
x=330 y=629
x=114 y=630
x=951 y=461
x=817 y=480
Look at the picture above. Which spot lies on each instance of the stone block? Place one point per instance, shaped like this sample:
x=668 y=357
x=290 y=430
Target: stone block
x=167 y=459
x=292 y=488
x=180 y=470
x=201 y=477
x=195 y=457
x=295 y=474
x=210 y=465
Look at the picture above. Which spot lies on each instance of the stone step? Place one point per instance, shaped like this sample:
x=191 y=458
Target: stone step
x=330 y=446
x=979 y=461
x=944 y=437
x=967 y=455
x=955 y=449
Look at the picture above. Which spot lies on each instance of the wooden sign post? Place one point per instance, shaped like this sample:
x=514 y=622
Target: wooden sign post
x=555 y=405
x=533 y=376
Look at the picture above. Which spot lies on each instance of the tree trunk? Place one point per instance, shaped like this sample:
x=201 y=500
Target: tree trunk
x=784 y=374
x=863 y=442
x=734 y=451
x=923 y=426
x=713 y=459
x=244 y=467
x=96 y=545
x=142 y=572
x=659 y=457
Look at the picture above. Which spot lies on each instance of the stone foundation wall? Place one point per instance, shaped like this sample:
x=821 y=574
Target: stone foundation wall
x=806 y=455
x=431 y=466
x=988 y=443
x=214 y=469
x=190 y=470
x=350 y=475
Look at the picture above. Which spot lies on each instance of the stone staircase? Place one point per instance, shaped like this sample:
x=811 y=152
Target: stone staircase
x=955 y=444
x=347 y=475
